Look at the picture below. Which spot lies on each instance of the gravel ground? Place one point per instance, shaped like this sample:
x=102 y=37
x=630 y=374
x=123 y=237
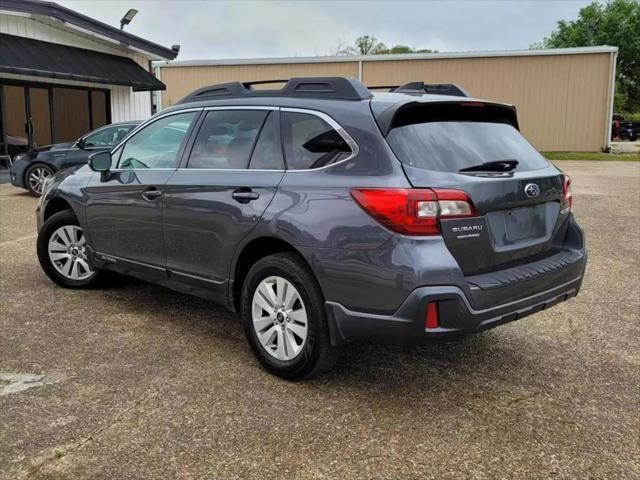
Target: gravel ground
x=136 y=381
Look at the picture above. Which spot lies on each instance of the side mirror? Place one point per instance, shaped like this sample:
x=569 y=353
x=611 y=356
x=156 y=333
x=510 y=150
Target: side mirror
x=100 y=161
x=81 y=144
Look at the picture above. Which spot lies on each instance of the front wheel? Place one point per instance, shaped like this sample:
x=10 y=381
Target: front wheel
x=62 y=254
x=282 y=310
x=35 y=177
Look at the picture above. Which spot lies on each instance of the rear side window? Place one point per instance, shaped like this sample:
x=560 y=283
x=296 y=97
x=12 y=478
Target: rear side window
x=448 y=146
x=226 y=139
x=310 y=142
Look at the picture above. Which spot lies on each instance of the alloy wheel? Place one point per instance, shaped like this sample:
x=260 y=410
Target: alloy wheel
x=279 y=318
x=67 y=253
x=36 y=179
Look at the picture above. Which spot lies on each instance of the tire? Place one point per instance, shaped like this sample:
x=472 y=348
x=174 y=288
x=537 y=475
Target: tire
x=315 y=353
x=34 y=178
x=63 y=231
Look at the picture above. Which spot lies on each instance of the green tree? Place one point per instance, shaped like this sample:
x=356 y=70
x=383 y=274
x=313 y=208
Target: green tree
x=369 y=45
x=615 y=23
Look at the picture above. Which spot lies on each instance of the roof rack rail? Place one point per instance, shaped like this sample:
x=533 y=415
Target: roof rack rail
x=420 y=88
x=335 y=88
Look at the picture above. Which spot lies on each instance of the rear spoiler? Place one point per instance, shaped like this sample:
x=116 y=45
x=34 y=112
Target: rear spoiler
x=472 y=110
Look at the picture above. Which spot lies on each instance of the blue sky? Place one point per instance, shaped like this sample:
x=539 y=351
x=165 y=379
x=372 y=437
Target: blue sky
x=247 y=29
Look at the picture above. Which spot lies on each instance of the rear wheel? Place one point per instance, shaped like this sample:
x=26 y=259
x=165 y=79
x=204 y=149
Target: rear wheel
x=35 y=177
x=284 y=320
x=62 y=254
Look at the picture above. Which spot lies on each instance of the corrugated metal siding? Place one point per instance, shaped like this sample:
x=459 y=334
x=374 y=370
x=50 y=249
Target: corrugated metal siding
x=562 y=100
x=125 y=104
x=183 y=80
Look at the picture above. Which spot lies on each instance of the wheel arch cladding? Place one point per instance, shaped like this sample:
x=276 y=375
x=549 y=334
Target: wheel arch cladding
x=55 y=205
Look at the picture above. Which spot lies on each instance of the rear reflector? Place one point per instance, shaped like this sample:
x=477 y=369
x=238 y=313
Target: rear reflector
x=431 y=319
x=414 y=211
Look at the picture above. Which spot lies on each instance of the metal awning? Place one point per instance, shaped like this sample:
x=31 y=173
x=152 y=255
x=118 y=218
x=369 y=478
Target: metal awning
x=25 y=56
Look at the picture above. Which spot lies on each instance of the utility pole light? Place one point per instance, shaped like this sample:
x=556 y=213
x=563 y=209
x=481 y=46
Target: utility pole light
x=126 y=20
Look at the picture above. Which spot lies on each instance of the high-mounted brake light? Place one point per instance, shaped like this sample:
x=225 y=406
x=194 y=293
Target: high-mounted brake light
x=566 y=192
x=414 y=211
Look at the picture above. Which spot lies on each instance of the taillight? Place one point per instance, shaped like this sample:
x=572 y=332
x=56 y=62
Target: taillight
x=414 y=211
x=566 y=191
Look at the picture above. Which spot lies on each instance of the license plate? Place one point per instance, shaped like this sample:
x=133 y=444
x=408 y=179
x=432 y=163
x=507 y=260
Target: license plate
x=520 y=224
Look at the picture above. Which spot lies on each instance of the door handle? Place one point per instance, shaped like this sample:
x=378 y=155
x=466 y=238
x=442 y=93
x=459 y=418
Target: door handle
x=244 y=195
x=151 y=194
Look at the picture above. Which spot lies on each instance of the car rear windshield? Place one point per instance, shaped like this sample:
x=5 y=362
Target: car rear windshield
x=452 y=146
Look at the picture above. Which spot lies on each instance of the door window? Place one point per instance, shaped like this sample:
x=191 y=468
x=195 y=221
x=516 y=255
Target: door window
x=267 y=154
x=108 y=136
x=158 y=144
x=227 y=139
x=310 y=142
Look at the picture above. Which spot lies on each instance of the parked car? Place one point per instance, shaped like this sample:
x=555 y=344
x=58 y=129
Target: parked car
x=29 y=170
x=629 y=131
x=624 y=129
x=325 y=214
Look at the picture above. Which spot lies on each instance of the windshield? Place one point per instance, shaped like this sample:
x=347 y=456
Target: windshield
x=452 y=146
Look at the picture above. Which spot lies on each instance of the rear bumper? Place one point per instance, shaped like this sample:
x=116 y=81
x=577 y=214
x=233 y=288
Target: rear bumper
x=458 y=314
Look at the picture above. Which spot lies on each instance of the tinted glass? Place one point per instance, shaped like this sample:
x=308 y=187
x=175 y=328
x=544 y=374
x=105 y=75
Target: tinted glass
x=16 y=118
x=266 y=154
x=226 y=139
x=157 y=145
x=70 y=114
x=40 y=115
x=98 y=109
x=108 y=136
x=310 y=142
x=451 y=146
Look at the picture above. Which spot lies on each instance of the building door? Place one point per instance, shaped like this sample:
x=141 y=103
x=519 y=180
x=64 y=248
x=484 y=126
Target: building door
x=15 y=114
x=39 y=121
x=71 y=113
x=28 y=117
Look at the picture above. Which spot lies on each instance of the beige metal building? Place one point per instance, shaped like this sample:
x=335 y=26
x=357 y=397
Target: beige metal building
x=564 y=97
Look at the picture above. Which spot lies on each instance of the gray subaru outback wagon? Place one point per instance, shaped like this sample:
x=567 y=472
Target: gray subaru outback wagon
x=324 y=213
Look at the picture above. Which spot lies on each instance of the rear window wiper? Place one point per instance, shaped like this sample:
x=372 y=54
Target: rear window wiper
x=495 y=166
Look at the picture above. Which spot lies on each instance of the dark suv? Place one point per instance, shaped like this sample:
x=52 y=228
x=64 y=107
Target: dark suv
x=325 y=214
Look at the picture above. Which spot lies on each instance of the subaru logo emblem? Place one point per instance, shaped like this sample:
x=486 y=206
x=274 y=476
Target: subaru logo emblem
x=531 y=190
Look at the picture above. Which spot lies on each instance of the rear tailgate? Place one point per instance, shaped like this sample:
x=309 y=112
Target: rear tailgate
x=512 y=227
x=522 y=211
